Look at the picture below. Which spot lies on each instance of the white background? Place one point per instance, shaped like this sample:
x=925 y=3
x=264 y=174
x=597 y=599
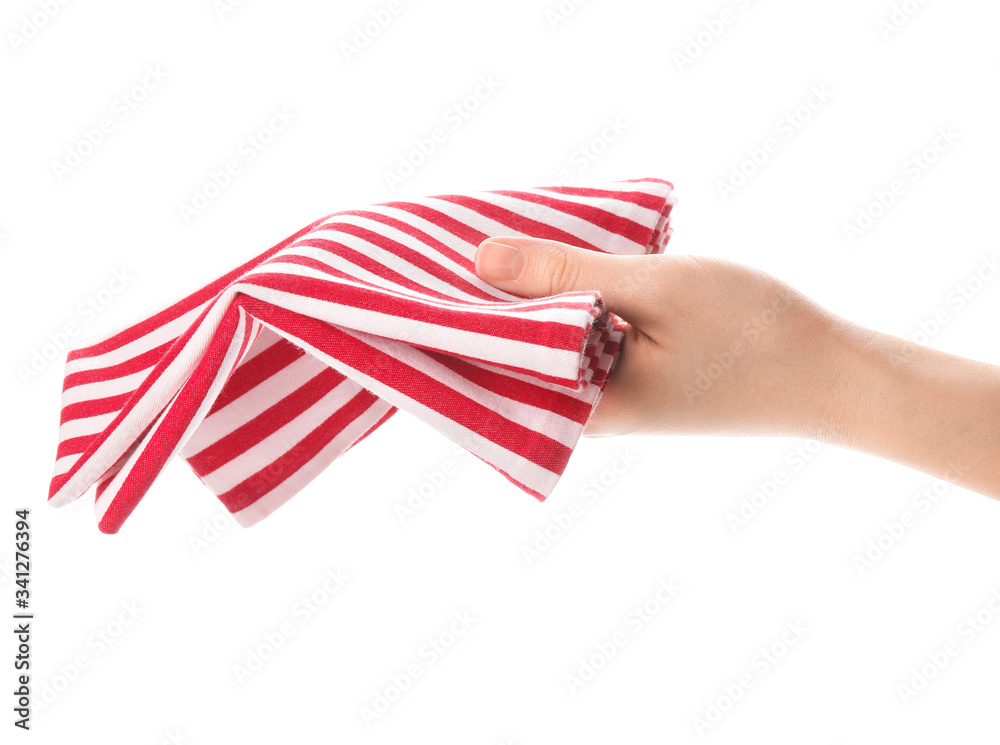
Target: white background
x=169 y=675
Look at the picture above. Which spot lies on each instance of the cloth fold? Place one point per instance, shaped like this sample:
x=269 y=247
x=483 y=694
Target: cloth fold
x=265 y=376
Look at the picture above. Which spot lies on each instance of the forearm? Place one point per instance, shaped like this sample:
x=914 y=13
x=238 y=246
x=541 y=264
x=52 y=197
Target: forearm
x=917 y=406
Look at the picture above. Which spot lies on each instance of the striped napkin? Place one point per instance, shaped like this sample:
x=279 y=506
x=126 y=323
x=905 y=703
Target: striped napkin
x=265 y=376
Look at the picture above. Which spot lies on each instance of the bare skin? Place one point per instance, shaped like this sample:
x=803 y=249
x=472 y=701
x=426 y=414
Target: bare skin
x=715 y=347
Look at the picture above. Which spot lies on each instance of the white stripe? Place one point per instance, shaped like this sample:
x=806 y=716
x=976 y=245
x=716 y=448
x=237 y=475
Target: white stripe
x=65 y=463
x=118 y=386
x=619 y=207
x=261 y=508
x=522 y=469
x=111 y=476
x=255 y=402
x=541 y=309
x=149 y=407
x=359 y=276
x=433 y=255
x=557 y=363
x=281 y=441
x=581 y=229
x=90 y=425
x=391 y=260
x=554 y=425
x=134 y=348
x=228 y=363
x=261 y=340
x=625 y=189
x=404 y=267
x=104 y=388
x=442 y=235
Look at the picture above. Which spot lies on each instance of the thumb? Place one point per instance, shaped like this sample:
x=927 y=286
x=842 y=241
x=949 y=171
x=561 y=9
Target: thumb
x=532 y=267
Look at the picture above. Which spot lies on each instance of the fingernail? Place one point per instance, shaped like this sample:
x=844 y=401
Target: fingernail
x=499 y=261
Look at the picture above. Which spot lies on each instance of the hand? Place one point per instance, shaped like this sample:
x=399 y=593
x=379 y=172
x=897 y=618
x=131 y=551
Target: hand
x=717 y=347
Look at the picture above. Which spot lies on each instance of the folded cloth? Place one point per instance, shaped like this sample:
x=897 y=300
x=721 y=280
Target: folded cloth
x=265 y=376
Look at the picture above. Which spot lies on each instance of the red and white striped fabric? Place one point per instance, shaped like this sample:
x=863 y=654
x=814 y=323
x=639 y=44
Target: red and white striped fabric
x=263 y=377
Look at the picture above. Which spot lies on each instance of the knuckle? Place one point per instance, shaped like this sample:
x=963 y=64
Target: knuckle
x=657 y=277
x=561 y=271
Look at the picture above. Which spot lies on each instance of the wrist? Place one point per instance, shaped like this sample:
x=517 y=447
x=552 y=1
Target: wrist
x=846 y=398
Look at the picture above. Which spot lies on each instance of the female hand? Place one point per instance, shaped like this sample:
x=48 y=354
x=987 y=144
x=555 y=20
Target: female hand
x=717 y=347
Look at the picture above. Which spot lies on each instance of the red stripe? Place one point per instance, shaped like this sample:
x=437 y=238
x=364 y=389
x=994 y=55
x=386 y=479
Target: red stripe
x=265 y=424
x=623 y=226
x=554 y=334
x=164 y=438
x=580 y=300
x=382 y=420
x=646 y=180
x=518 y=390
x=359 y=260
x=181 y=307
x=94 y=407
x=461 y=230
x=573 y=383
x=415 y=258
x=110 y=474
x=73 y=445
x=518 y=222
x=640 y=198
x=459 y=258
x=417 y=385
x=257 y=370
x=164 y=363
x=536 y=494
x=128 y=367
x=253 y=488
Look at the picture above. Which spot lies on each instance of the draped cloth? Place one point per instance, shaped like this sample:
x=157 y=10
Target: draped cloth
x=262 y=378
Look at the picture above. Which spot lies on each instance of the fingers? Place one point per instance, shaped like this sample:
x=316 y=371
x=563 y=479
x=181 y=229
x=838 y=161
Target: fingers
x=532 y=267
